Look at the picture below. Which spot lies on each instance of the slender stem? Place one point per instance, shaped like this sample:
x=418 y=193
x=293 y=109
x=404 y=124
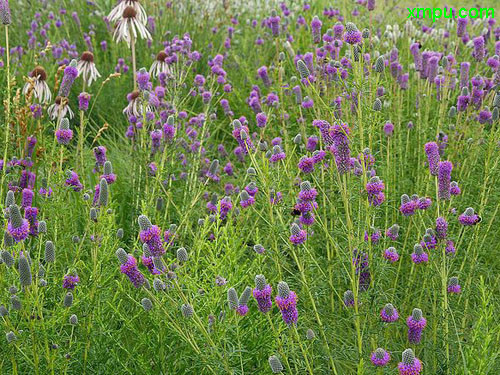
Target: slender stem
x=134 y=68
x=7 y=104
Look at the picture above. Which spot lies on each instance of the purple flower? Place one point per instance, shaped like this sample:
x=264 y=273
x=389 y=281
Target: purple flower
x=416 y=324
x=454 y=188
x=432 y=151
x=389 y=313
x=246 y=200
x=380 y=357
x=286 y=300
x=408 y=206
x=374 y=189
x=69 y=76
x=30 y=214
x=151 y=236
x=83 y=101
x=306 y=164
x=478 y=48
x=262 y=294
x=307 y=192
x=453 y=286
x=441 y=228
x=410 y=365
x=353 y=37
x=391 y=254
x=17 y=227
x=298 y=236
x=340 y=146
x=74 y=181
x=419 y=256
x=469 y=218
x=393 y=232
x=444 y=178
x=129 y=268
x=277 y=155
x=70 y=281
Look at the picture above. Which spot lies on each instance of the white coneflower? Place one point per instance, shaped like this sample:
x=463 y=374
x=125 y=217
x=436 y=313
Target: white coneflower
x=117 y=12
x=159 y=65
x=38 y=80
x=135 y=105
x=60 y=108
x=87 y=69
x=129 y=26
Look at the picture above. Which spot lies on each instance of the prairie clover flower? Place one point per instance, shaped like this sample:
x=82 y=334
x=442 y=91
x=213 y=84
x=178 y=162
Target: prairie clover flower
x=5 y=15
x=83 y=101
x=374 y=236
x=389 y=313
x=432 y=151
x=129 y=268
x=74 y=181
x=151 y=235
x=69 y=76
x=100 y=157
x=348 y=298
x=38 y=80
x=416 y=324
x=17 y=227
x=441 y=228
x=454 y=188
x=339 y=134
x=419 y=256
x=25 y=277
x=454 y=286
x=306 y=164
x=408 y=206
x=242 y=308
x=391 y=254
x=410 y=365
x=352 y=34
x=444 y=179
x=298 y=236
x=30 y=214
x=424 y=203
x=70 y=281
x=277 y=154
x=393 y=232
x=64 y=134
x=274 y=362
x=246 y=200
x=429 y=240
x=130 y=24
x=360 y=261
x=380 y=357
x=316 y=29
x=262 y=293
x=108 y=174
x=286 y=300
x=374 y=189
x=307 y=192
x=469 y=218
x=87 y=69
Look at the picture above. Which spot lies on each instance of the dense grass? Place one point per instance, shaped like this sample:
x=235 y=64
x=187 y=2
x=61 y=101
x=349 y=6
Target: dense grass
x=116 y=334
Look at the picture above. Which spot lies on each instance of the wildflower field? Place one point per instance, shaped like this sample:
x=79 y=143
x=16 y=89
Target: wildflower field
x=228 y=187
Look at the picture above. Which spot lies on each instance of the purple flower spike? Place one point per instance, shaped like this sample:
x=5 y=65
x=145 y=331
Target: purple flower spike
x=416 y=324
x=453 y=286
x=432 y=151
x=70 y=74
x=408 y=206
x=410 y=365
x=389 y=314
x=391 y=255
x=298 y=235
x=262 y=294
x=444 y=179
x=129 y=268
x=380 y=357
x=441 y=228
x=419 y=256
x=151 y=235
x=17 y=227
x=469 y=218
x=286 y=300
